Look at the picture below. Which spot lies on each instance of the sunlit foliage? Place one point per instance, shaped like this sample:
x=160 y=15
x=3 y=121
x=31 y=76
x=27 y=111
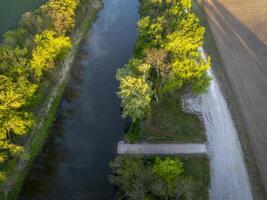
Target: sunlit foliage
x=135 y=89
x=26 y=55
x=48 y=49
x=169 y=38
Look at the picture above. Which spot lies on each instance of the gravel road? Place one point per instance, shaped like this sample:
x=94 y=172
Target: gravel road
x=229 y=177
x=240 y=31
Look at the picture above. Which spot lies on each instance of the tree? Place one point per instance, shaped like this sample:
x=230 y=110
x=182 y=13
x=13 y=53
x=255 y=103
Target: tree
x=48 y=49
x=13 y=62
x=139 y=178
x=13 y=96
x=169 y=170
x=124 y=170
x=131 y=175
x=157 y=59
x=62 y=13
x=135 y=89
x=14 y=120
x=26 y=53
x=200 y=84
x=189 y=71
x=19 y=37
x=36 y=21
x=181 y=45
x=150 y=32
x=169 y=182
x=135 y=94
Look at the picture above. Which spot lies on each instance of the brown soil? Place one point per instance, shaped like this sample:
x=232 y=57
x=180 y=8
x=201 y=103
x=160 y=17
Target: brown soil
x=240 y=31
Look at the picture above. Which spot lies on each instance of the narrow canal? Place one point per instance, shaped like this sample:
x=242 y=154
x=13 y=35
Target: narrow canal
x=74 y=163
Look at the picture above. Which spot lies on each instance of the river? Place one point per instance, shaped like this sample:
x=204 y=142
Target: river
x=11 y=11
x=74 y=162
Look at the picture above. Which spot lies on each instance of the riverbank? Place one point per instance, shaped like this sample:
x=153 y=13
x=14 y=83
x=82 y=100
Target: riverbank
x=20 y=168
x=219 y=69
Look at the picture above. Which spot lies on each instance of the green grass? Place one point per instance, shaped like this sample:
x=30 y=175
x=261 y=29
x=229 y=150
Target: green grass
x=134 y=134
x=167 y=122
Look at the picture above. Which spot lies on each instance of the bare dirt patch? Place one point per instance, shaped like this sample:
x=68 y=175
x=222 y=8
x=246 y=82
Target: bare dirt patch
x=240 y=31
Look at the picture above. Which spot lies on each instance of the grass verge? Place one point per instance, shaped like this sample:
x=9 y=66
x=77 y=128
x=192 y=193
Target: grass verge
x=167 y=122
x=197 y=167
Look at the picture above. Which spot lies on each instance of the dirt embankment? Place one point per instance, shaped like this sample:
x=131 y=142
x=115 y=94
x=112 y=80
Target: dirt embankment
x=240 y=31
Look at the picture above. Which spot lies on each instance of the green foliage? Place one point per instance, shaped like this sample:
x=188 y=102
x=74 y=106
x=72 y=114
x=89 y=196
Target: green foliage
x=135 y=94
x=168 y=170
x=139 y=178
x=19 y=37
x=123 y=171
x=48 y=49
x=169 y=36
x=133 y=135
x=62 y=13
x=157 y=58
x=13 y=119
x=168 y=179
x=200 y=84
x=26 y=54
x=135 y=89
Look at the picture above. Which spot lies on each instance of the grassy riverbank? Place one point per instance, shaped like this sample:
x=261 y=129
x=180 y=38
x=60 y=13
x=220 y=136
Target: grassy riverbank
x=47 y=102
x=167 y=122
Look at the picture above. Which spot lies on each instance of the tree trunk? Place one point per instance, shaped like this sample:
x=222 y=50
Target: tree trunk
x=125 y=195
x=156 y=96
x=9 y=137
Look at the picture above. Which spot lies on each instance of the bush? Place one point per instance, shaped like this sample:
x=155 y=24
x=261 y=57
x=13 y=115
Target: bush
x=140 y=178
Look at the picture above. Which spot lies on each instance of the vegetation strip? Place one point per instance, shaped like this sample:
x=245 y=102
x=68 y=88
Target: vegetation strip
x=160 y=149
x=166 y=63
x=35 y=61
x=160 y=178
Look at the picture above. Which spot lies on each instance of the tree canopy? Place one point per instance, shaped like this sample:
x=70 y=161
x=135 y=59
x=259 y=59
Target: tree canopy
x=48 y=49
x=26 y=55
x=169 y=38
x=140 y=178
x=135 y=89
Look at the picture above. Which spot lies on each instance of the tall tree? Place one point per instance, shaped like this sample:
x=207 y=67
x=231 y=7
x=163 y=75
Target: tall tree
x=62 y=13
x=48 y=49
x=135 y=94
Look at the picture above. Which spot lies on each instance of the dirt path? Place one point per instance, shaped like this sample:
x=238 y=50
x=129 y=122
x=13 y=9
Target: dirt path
x=240 y=31
x=160 y=149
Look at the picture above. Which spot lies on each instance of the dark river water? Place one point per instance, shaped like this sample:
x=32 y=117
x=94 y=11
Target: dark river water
x=11 y=11
x=74 y=162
